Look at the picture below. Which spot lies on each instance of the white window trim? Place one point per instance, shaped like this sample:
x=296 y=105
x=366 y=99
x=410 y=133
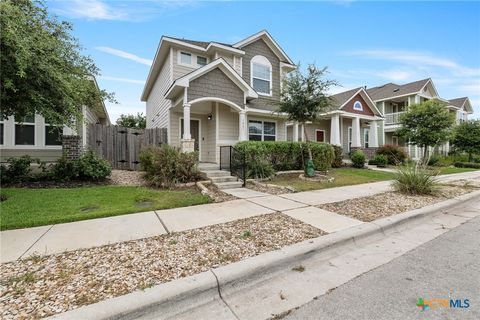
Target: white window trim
x=324 y=135
x=365 y=140
x=34 y=124
x=357 y=103
x=263 y=131
x=193 y=63
x=261 y=60
x=45 y=126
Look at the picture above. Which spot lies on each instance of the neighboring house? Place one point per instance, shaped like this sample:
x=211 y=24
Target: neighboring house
x=32 y=136
x=210 y=94
x=393 y=100
x=354 y=123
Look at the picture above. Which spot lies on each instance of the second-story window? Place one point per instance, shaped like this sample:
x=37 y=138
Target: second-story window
x=186 y=58
x=201 y=61
x=261 y=77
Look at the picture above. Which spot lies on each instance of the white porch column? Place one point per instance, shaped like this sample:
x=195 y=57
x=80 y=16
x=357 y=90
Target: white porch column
x=302 y=133
x=356 y=133
x=242 y=126
x=373 y=136
x=186 y=122
x=335 y=130
x=295 y=131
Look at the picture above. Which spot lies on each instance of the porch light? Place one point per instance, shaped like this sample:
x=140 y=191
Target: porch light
x=209 y=117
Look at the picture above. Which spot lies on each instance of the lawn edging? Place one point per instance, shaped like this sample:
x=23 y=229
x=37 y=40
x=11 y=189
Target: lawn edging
x=179 y=296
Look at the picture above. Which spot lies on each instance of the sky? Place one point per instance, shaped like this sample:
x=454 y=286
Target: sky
x=362 y=43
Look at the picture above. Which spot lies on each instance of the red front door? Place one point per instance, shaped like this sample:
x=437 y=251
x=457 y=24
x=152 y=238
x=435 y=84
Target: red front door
x=320 y=136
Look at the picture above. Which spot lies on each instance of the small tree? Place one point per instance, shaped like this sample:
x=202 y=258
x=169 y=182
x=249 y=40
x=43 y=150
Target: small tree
x=304 y=97
x=466 y=137
x=131 y=121
x=426 y=125
x=43 y=69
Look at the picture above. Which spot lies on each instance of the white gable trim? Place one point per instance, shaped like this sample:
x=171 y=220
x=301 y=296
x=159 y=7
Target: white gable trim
x=372 y=105
x=433 y=87
x=222 y=65
x=271 y=43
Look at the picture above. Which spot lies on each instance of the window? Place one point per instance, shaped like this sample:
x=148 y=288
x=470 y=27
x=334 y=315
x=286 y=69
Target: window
x=261 y=131
x=201 y=61
x=1 y=132
x=358 y=106
x=261 y=75
x=25 y=132
x=366 y=137
x=53 y=135
x=185 y=58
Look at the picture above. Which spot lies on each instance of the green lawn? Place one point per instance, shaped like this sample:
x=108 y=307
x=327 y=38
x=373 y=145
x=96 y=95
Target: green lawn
x=35 y=207
x=450 y=170
x=343 y=177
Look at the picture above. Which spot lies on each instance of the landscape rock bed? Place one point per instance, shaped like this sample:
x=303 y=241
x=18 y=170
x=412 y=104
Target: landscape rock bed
x=218 y=195
x=385 y=204
x=127 y=178
x=41 y=286
x=265 y=187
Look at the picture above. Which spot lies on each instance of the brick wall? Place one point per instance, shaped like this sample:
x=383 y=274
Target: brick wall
x=72 y=146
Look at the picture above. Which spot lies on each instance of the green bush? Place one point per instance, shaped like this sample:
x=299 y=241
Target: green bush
x=338 y=159
x=91 y=166
x=395 y=154
x=63 y=170
x=17 y=170
x=165 y=166
x=414 y=179
x=263 y=158
x=372 y=162
x=358 y=159
x=467 y=165
x=381 y=160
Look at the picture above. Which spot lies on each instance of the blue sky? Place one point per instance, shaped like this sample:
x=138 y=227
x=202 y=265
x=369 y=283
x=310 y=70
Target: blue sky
x=362 y=43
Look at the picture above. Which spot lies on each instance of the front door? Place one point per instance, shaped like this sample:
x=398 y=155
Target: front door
x=194 y=132
x=320 y=136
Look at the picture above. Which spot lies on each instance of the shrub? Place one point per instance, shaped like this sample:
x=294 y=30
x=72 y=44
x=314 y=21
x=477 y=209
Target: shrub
x=381 y=160
x=414 y=179
x=467 y=165
x=63 y=170
x=91 y=166
x=358 y=159
x=395 y=154
x=265 y=157
x=165 y=166
x=338 y=159
x=17 y=170
x=372 y=162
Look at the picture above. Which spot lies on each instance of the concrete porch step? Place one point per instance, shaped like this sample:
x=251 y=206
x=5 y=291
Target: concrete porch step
x=228 y=185
x=207 y=166
x=223 y=179
x=215 y=173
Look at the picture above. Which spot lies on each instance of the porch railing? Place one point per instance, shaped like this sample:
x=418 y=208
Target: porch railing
x=231 y=159
x=393 y=118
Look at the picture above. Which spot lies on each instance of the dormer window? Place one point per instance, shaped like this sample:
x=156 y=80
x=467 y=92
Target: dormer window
x=191 y=60
x=358 y=106
x=261 y=77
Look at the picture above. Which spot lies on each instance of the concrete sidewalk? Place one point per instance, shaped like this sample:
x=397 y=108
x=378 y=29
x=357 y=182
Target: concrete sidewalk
x=46 y=240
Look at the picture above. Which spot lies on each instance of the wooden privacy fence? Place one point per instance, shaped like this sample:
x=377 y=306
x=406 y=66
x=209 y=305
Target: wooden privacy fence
x=121 y=146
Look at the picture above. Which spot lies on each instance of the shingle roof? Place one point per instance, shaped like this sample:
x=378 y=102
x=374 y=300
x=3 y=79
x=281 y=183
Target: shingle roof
x=391 y=90
x=342 y=97
x=202 y=44
x=458 y=102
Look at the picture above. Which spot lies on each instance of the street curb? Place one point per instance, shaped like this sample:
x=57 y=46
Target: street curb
x=181 y=295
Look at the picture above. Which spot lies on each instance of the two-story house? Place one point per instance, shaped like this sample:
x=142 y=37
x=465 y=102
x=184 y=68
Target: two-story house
x=210 y=94
x=393 y=100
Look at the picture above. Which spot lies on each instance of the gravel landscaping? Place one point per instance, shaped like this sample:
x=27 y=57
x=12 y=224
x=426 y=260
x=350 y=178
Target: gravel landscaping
x=218 y=195
x=389 y=203
x=264 y=186
x=41 y=286
x=127 y=178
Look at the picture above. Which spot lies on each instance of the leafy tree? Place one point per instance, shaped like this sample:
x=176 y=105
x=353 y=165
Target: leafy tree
x=43 y=69
x=425 y=125
x=304 y=97
x=131 y=121
x=466 y=137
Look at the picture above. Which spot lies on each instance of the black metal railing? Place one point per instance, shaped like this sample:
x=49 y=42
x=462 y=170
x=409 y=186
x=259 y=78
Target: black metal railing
x=233 y=160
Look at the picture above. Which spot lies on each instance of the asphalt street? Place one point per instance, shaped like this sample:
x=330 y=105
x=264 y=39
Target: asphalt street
x=447 y=267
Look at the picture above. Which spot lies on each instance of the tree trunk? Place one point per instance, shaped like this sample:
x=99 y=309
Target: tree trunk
x=425 y=154
x=470 y=156
x=310 y=157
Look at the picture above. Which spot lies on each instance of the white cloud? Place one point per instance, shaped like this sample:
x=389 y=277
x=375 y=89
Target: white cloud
x=127 y=80
x=396 y=75
x=92 y=10
x=125 y=55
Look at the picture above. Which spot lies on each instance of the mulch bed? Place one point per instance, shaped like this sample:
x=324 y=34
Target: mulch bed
x=41 y=286
x=389 y=203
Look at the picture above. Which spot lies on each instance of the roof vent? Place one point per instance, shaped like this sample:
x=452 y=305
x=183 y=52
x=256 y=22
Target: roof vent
x=396 y=90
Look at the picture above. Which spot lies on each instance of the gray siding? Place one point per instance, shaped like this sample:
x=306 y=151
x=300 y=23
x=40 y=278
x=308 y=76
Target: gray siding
x=216 y=84
x=259 y=47
x=157 y=104
x=45 y=155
